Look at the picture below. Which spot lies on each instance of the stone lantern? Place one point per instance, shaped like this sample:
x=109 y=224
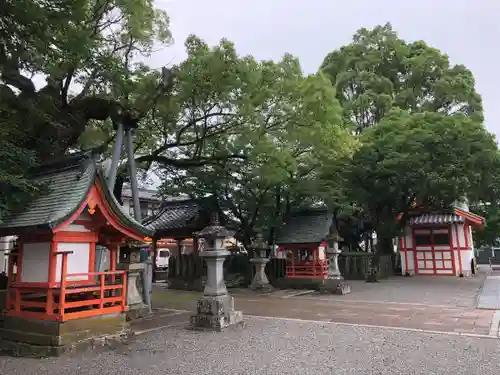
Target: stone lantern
x=215 y=310
x=260 y=283
x=334 y=283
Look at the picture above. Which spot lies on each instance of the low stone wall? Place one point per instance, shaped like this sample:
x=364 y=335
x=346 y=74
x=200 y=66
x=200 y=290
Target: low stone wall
x=356 y=265
x=188 y=272
x=39 y=338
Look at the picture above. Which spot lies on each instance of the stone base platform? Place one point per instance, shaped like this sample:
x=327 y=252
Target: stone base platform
x=216 y=314
x=259 y=288
x=298 y=283
x=39 y=338
x=335 y=286
x=137 y=313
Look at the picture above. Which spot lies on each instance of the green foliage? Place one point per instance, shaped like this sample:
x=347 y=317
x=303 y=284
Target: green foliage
x=379 y=71
x=420 y=124
x=490 y=235
x=265 y=126
x=87 y=52
x=433 y=158
x=14 y=163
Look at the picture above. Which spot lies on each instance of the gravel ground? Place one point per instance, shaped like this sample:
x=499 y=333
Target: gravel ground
x=271 y=346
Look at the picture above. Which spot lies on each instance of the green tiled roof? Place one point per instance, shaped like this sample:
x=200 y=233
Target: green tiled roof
x=65 y=188
x=310 y=226
x=66 y=185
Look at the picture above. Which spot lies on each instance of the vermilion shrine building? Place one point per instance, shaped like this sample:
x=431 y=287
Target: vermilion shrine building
x=302 y=242
x=51 y=278
x=439 y=243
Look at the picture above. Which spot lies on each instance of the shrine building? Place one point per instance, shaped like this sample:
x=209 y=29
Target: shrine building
x=439 y=243
x=52 y=283
x=301 y=241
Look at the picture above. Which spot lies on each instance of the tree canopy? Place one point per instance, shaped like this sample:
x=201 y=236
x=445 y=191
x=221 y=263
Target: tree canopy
x=383 y=123
x=420 y=126
x=379 y=71
x=271 y=125
x=429 y=158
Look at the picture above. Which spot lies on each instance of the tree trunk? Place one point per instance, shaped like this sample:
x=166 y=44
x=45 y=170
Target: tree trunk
x=384 y=246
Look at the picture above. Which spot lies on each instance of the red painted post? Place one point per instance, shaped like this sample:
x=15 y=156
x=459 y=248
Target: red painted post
x=124 y=291
x=62 y=289
x=101 y=282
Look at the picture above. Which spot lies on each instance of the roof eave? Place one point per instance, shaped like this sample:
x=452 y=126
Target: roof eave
x=119 y=214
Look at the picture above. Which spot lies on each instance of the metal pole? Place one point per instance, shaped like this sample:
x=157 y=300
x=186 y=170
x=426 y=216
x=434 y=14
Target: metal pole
x=133 y=176
x=115 y=159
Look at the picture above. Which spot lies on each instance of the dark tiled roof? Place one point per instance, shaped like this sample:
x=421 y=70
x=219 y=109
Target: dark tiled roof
x=144 y=194
x=436 y=218
x=310 y=226
x=66 y=187
x=67 y=184
x=173 y=215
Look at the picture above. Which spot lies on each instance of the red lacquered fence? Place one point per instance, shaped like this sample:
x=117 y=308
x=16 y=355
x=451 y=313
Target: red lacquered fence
x=314 y=269
x=95 y=293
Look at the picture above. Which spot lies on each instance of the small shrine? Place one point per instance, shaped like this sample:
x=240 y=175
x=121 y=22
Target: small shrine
x=439 y=243
x=55 y=296
x=302 y=241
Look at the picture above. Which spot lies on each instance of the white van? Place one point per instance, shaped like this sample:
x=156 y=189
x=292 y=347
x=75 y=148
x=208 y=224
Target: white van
x=162 y=259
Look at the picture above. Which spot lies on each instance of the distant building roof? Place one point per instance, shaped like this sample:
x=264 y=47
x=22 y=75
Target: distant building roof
x=173 y=215
x=68 y=183
x=183 y=217
x=144 y=193
x=436 y=219
x=454 y=215
x=308 y=226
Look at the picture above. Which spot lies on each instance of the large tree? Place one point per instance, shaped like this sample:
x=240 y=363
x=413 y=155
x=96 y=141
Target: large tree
x=405 y=96
x=379 y=71
x=430 y=158
x=271 y=126
x=86 y=52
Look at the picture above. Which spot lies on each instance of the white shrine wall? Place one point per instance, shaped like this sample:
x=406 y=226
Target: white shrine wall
x=408 y=253
x=78 y=261
x=462 y=241
x=35 y=262
x=461 y=246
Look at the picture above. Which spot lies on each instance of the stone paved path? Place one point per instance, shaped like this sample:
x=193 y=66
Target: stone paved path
x=422 y=303
x=423 y=317
x=489 y=298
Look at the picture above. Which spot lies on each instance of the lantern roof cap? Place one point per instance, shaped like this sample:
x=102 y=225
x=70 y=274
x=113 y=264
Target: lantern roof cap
x=214 y=230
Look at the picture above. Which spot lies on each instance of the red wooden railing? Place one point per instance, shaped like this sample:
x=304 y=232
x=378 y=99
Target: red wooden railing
x=316 y=269
x=68 y=299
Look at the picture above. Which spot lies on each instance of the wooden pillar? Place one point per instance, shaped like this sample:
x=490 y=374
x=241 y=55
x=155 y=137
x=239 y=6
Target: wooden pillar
x=155 y=254
x=180 y=261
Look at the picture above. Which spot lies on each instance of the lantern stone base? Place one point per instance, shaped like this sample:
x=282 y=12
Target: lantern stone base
x=216 y=313
x=335 y=286
x=136 y=306
x=262 y=288
x=22 y=337
x=260 y=282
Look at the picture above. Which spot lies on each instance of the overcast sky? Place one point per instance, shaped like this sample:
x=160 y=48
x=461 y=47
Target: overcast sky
x=467 y=30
